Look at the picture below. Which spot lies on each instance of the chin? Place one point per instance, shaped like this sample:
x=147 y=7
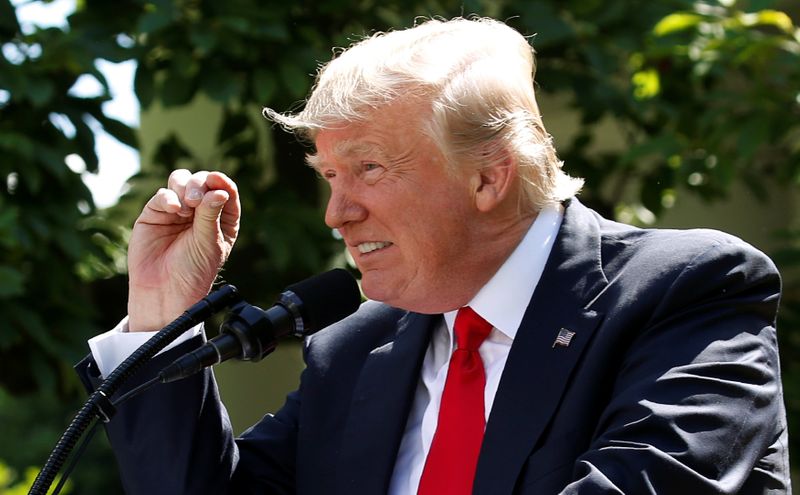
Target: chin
x=376 y=289
x=373 y=289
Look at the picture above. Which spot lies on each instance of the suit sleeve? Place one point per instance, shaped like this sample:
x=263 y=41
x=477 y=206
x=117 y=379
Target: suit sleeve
x=176 y=438
x=697 y=404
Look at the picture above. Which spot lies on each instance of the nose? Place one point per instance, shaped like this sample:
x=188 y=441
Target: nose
x=343 y=207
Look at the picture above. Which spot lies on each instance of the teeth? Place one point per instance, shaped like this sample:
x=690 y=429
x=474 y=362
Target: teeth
x=368 y=247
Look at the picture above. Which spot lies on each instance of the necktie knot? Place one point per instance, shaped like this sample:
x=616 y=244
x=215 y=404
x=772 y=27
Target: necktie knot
x=470 y=329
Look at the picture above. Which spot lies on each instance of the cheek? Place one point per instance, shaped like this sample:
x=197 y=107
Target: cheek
x=431 y=227
x=435 y=243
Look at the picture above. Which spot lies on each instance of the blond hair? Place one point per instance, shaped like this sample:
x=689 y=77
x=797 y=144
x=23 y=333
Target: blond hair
x=476 y=75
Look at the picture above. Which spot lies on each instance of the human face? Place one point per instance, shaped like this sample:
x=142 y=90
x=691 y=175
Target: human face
x=405 y=218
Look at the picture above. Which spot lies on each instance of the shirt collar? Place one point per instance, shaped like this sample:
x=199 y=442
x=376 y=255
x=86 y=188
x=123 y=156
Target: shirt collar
x=504 y=299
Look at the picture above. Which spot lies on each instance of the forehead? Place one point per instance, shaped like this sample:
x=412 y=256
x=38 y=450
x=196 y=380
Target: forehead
x=386 y=132
x=377 y=139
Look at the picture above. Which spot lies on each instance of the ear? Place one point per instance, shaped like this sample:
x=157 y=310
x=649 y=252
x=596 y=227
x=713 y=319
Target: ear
x=494 y=181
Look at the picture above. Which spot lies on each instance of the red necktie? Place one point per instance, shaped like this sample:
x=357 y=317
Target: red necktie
x=453 y=457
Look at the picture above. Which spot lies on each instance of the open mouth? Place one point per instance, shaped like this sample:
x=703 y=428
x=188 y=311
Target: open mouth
x=369 y=247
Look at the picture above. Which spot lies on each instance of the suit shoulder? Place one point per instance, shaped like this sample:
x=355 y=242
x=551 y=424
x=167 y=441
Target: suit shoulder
x=373 y=323
x=680 y=248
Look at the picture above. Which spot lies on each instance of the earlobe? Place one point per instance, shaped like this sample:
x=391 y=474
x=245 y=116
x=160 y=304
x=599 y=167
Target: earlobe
x=493 y=182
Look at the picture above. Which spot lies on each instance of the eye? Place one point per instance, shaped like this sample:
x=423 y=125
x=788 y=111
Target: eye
x=371 y=172
x=370 y=166
x=327 y=174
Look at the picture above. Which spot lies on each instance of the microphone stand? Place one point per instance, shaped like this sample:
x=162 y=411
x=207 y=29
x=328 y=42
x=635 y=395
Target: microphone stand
x=99 y=404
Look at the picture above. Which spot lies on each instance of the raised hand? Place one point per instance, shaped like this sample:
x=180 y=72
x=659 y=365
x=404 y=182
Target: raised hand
x=179 y=242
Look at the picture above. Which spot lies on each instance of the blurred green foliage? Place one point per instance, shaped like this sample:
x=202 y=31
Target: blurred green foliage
x=31 y=426
x=703 y=94
x=11 y=483
x=52 y=240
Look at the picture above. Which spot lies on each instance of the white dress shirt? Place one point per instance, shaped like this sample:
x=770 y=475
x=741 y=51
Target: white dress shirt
x=502 y=302
x=111 y=348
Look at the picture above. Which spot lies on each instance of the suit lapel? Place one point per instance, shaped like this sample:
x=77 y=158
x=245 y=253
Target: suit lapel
x=537 y=370
x=381 y=402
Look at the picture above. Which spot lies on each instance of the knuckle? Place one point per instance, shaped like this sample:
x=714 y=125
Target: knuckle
x=164 y=192
x=178 y=177
x=179 y=172
x=199 y=177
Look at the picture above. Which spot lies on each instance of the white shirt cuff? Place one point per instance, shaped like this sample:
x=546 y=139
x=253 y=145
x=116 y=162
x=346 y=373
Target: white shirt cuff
x=111 y=348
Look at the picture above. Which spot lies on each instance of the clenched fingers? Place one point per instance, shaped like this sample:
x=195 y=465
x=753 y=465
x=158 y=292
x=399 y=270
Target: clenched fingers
x=206 y=196
x=218 y=182
x=189 y=189
x=164 y=202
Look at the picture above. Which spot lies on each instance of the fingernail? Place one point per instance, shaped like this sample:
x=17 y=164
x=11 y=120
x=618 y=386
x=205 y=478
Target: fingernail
x=216 y=204
x=194 y=194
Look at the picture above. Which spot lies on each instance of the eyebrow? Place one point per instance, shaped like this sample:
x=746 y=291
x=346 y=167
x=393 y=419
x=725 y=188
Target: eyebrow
x=344 y=148
x=349 y=147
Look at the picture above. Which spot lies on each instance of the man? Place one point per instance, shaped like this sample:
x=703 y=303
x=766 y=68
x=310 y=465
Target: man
x=516 y=342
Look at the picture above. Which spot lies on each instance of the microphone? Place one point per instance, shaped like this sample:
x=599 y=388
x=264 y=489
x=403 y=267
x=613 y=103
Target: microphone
x=250 y=333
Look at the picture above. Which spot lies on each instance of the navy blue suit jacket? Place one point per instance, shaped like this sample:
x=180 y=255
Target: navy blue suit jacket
x=670 y=385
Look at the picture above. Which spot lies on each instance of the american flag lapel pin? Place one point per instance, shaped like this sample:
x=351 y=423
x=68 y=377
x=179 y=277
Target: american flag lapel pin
x=564 y=338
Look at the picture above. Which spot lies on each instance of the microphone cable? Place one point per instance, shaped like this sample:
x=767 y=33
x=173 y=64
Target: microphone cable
x=99 y=405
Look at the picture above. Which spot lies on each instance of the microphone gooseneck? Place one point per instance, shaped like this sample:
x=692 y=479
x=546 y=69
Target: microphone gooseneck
x=250 y=333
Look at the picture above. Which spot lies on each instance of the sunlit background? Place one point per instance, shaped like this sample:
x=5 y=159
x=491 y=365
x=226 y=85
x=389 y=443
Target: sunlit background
x=678 y=113
x=117 y=161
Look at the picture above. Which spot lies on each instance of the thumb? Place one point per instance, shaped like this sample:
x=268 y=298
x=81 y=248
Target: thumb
x=206 y=215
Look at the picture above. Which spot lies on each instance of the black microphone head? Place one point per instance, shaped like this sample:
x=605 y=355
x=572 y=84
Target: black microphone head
x=325 y=299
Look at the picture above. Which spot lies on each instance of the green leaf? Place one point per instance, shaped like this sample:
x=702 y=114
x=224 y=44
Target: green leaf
x=71 y=243
x=646 y=84
x=144 y=85
x=8 y=20
x=232 y=125
x=52 y=160
x=9 y=216
x=236 y=23
x=547 y=25
x=753 y=132
x=11 y=282
x=202 y=39
x=100 y=79
x=264 y=86
x=177 y=90
x=184 y=63
x=84 y=139
x=42 y=372
x=120 y=131
x=769 y=17
x=158 y=15
x=18 y=143
x=275 y=31
x=679 y=21
x=653 y=187
x=294 y=79
x=222 y=86
x=663 y=145
x=786 y=256
x=39 y=91
x=31 y=178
